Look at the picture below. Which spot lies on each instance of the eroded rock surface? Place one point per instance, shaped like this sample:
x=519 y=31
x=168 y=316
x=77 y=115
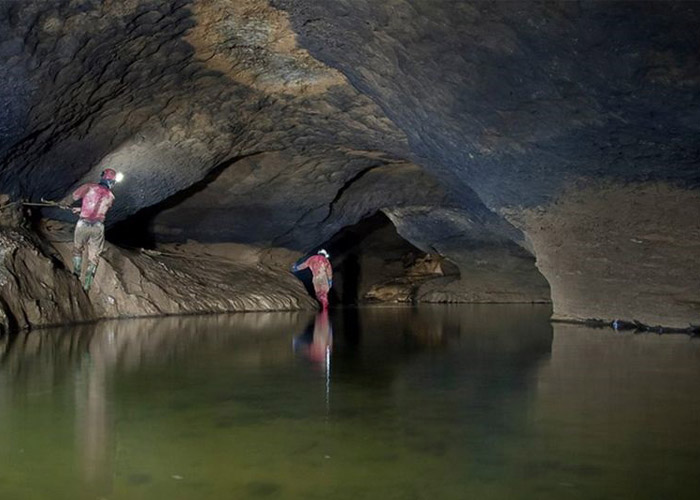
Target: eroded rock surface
x=522 y=103
x=278 y=123
x=168 y=92
x=193 y=279
x=516 y=99
x=624 y=251
x=37 y=288
x=491 y=267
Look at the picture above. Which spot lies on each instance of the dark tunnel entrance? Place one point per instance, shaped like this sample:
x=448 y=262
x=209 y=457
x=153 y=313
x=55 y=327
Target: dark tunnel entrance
x=135 y=231
x=373 y=263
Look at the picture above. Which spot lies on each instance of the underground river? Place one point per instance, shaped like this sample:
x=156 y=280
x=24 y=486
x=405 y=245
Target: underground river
x=433 y=402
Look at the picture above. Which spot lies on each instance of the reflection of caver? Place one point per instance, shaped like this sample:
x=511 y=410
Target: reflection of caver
x=322 y=339
x=90 y=232
x=322 y=273
x=316 y=343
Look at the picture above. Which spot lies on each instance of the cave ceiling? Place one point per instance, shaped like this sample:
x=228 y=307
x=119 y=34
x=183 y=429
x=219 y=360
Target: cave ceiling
x=282 y=121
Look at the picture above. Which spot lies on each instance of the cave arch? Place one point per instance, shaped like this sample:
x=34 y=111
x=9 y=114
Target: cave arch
x=373 y=262
x=410 y=256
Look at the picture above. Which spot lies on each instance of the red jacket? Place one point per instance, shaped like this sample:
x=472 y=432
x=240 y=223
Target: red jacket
x=320 y=269
x=97 y=199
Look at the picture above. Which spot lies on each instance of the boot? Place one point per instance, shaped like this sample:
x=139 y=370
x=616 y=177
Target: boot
x=77 y=265
x=89 y=276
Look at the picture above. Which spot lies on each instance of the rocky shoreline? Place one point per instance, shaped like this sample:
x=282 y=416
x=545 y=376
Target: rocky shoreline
x=37 y=288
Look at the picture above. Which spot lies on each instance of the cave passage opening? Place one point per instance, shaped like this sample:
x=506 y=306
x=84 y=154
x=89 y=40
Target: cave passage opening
x=135 y=231
x=373 y=263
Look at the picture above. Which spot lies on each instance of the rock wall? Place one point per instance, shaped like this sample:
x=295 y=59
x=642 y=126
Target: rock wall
x=37 y=288
x=512 y=100
x=516 y=101
x=491 y=267
x=279 y=122
x=169 y=92
x=620 y=251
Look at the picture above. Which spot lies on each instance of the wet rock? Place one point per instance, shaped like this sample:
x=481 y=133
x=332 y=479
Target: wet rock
x=625 y=252
x=416 y=272
x=191 y=279
x=37 y=288
x=279 y=122
x=11 y=213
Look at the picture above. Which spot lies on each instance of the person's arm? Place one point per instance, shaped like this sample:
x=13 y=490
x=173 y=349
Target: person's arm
x=71 y=198
x=76 y=195
x=111 y=201
x=303 y=265
x=79 y=193
x=329 y=273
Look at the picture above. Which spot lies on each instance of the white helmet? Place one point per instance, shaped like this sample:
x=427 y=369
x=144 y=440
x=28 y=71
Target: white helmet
x=324 y=253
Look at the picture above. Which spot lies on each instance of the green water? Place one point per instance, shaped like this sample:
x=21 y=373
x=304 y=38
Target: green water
x=444 y=402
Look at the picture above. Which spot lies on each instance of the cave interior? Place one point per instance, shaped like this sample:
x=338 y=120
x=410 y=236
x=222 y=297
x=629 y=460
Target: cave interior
x=442 y=152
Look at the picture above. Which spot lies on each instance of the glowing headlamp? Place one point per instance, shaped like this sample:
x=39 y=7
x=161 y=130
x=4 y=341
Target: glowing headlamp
x=119 y=177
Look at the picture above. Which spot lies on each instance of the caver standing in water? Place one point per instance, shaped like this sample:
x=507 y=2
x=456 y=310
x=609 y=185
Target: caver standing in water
x=96 y=199
x=322 y=273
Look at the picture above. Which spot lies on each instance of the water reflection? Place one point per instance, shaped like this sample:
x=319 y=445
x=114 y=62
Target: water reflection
x=90 y=357
x=130 y=345
x=620 y=413
x=446 y=402
x=316 y=341
x=93 y=426
x=316 y=344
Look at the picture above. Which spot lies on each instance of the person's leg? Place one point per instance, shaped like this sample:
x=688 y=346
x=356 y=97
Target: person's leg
x=79 y=241
x=95 y=246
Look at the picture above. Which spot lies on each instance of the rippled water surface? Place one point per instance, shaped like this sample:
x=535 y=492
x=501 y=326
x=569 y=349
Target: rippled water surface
x=444 y=402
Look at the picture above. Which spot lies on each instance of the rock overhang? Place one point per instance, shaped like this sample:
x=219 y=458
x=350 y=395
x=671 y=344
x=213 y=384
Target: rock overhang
x=516 y=99
x=505 y=106
x=509 y=99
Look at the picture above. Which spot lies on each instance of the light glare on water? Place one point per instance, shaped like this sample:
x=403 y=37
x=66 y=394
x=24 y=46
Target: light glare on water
x=439 y=402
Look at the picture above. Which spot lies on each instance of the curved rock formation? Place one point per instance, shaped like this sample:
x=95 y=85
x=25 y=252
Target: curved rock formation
x=37 y=288
x=634 y=247
x=494 y=134
x=522 y=101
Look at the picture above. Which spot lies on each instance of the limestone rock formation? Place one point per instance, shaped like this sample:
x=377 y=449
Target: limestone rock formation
x=523 y=103
x=635 y=247
x=504 y=137
x=38 y=289
x=492 y=268
x=35 y=287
